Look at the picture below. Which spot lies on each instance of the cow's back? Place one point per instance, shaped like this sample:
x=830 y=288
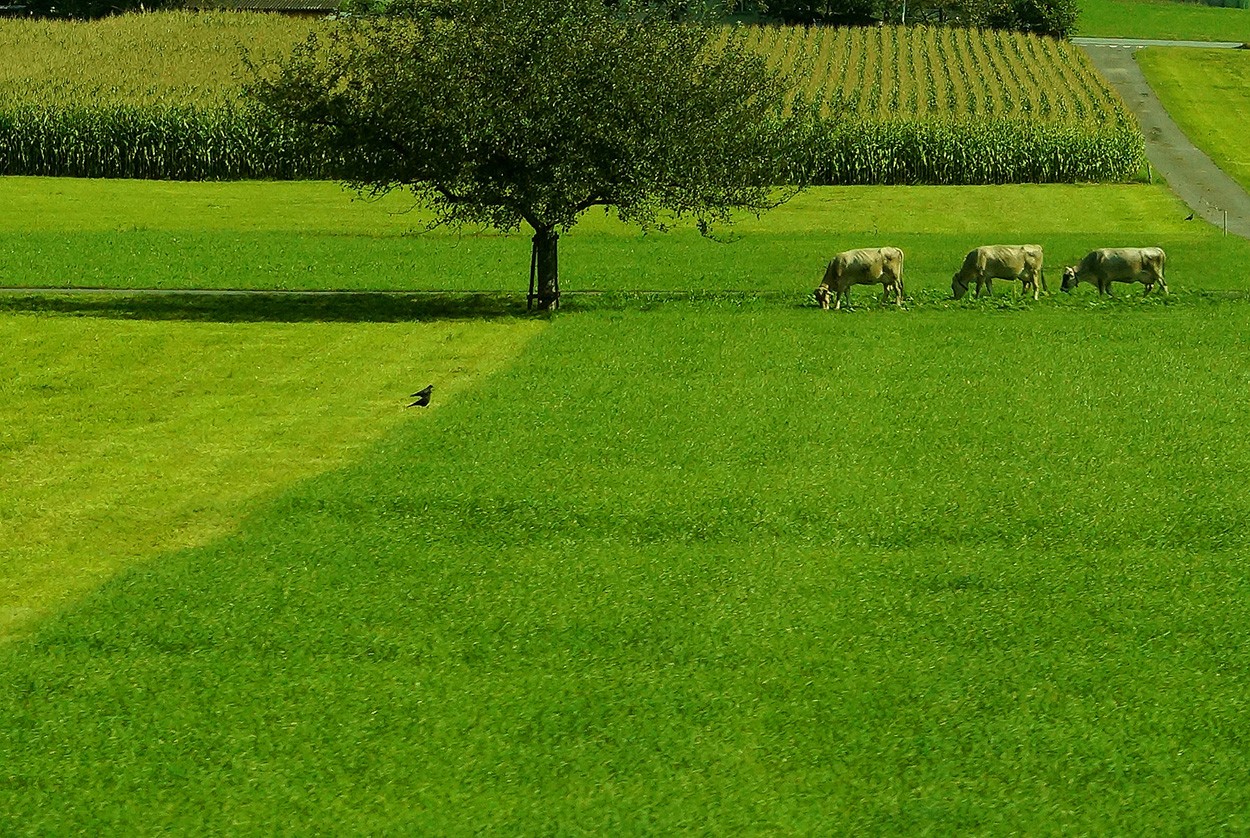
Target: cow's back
x=1002 y=260
x=868 y=263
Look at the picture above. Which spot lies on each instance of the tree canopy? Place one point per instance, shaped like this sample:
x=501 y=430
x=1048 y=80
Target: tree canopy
x=503 y=112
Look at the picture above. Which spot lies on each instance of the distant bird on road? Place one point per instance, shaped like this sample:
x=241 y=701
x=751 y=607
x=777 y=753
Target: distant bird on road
x=422 y=396
x=1189 y=217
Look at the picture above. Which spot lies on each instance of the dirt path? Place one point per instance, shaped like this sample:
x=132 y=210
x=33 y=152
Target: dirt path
x=1190 y=173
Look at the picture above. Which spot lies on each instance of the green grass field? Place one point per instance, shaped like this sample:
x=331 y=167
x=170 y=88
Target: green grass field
x=314 y=236
x=721 y=563
x=1207 y=92
x=1162 y=19
x=689 y=556
x=718 y=568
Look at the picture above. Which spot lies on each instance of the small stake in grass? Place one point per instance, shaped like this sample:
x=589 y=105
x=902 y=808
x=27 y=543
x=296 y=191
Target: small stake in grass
x=422 y=396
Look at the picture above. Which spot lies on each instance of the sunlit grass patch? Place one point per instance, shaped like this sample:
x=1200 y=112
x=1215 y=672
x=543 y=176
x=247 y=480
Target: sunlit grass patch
x=1207 y=92
x=120 y=440
x=723 y=561
x=1165 y=19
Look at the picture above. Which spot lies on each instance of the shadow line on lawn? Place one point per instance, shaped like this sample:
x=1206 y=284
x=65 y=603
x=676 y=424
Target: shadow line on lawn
x=264 y=306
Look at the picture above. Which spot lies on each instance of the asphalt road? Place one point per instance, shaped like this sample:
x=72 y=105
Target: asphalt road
x=1189 y=173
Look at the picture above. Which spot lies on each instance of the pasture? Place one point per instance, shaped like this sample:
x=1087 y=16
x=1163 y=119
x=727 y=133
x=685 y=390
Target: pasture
x=316 y=236
x=701 y=562
x=1207 y=92
x=124 y=439
x=1166 y=19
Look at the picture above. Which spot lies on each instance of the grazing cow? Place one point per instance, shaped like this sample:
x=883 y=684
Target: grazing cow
x=1118 y=264
x=866 y=266
x=1001 y=261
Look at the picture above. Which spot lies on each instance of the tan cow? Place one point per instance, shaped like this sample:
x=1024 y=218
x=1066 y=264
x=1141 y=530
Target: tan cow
x=1118 y=264
x=1001 y=261
x=866 y=266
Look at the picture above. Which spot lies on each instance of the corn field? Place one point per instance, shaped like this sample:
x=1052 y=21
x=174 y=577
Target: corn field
x=941 y=105
x=159 y=96
x=153 y=96
x=929 y=72
x=165 y=59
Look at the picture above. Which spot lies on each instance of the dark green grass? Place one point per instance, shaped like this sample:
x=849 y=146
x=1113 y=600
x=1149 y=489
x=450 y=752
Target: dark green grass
x=1162 y=19
x=731 y=566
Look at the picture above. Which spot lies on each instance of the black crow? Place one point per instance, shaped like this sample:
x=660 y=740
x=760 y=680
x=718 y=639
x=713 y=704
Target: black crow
x=422 y=396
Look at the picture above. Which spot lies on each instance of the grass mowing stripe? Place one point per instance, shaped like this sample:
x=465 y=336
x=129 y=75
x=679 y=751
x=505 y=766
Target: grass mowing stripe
x=122 y=440
x=743 y=569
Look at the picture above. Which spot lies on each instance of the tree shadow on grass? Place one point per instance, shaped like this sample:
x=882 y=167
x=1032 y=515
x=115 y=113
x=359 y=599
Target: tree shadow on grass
x=263 y=306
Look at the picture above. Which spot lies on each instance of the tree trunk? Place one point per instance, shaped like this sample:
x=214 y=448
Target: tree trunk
x=544 y=270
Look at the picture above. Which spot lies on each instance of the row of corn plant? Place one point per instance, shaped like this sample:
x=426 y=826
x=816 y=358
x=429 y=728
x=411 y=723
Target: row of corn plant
x=875 y=72
x=155 y=142
x=166 y=58
x=933 y=105
x=962 y=152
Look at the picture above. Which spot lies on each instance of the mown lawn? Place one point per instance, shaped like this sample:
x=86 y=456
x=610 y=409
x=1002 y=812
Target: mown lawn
x=724 y=563
x=725 y=566
x=1162 y=19
x=314 y=236
x=121 y=439
x=1207 y=92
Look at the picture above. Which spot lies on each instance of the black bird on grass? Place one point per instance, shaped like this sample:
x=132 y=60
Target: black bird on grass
x=422 y=396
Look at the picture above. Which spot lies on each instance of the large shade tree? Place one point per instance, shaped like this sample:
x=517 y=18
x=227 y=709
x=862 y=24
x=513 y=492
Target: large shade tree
x=511 y=112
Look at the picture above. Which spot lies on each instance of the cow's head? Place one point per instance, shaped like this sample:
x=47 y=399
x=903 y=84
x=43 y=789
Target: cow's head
x=959 y=286
x=1069 y=279
x=822 y=296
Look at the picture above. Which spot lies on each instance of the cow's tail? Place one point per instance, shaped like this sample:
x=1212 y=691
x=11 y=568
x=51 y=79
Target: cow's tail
x=1041 y=274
